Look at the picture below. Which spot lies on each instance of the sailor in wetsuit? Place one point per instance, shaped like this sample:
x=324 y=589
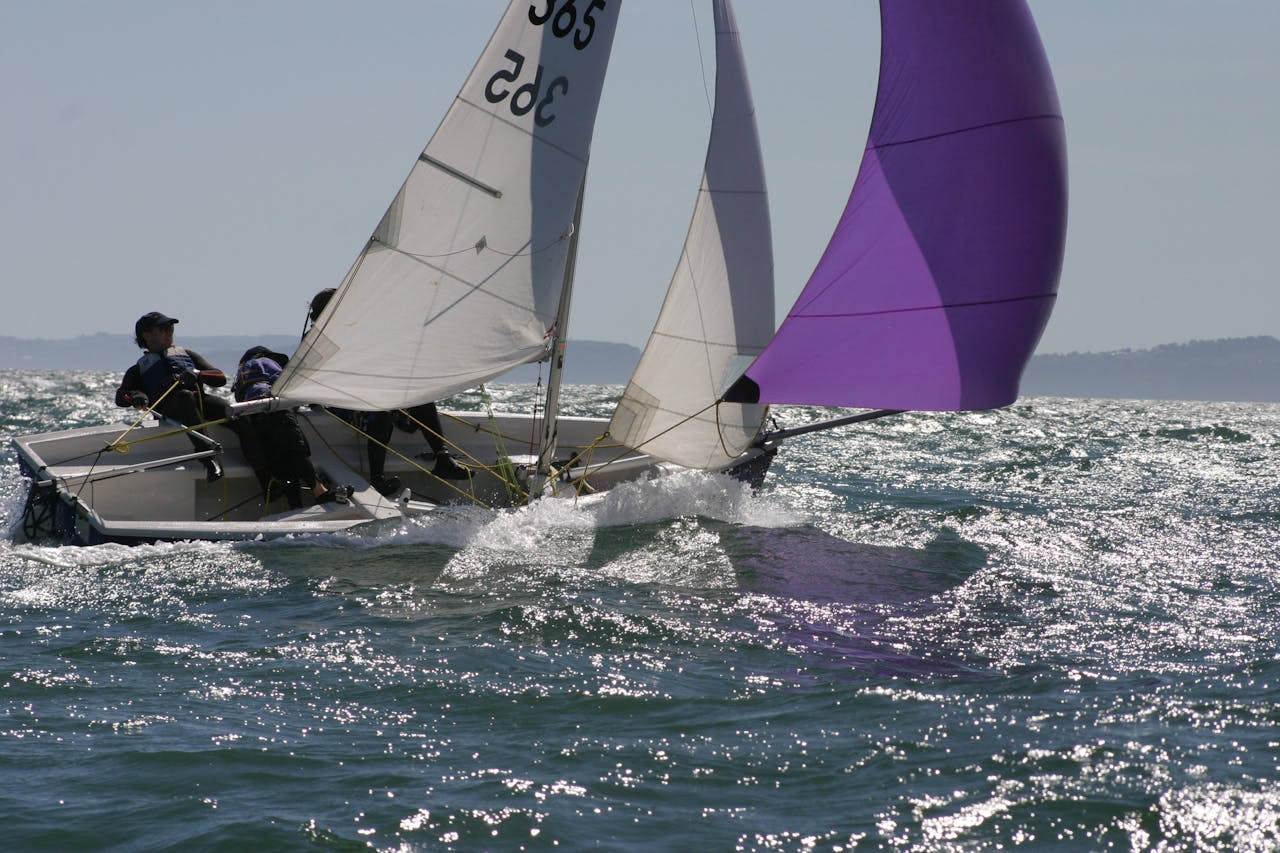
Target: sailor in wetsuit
x=161 y=365
x=285 y=451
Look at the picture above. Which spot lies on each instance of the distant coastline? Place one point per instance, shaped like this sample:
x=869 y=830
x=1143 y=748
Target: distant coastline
x=1229 y=369
x=589 y=362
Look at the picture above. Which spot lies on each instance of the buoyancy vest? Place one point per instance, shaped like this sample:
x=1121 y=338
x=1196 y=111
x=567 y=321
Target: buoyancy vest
x=255 y=377
x=158 y=370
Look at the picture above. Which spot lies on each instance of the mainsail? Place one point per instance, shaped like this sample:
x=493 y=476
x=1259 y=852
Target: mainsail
x=461 y=279
x=944 y=267
x=718 y=311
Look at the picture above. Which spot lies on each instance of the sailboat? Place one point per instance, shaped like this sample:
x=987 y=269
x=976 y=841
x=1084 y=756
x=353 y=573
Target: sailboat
x=931 y=295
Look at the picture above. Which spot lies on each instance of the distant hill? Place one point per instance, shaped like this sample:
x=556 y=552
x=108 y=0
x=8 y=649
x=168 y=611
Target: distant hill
x=1243 y=369
x=117 y=352
x=1239 y=369
x=587 y=362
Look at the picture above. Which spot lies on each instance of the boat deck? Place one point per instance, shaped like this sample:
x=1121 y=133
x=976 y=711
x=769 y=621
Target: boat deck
x=153 y=487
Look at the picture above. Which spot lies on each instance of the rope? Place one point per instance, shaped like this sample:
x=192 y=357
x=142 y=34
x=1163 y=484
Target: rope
x=266 y=505
x=123 y=447
x=586 y=471
x=468 y=495
x=701 y=62
x=142 y=417
x=478 y=428
x=580 y=483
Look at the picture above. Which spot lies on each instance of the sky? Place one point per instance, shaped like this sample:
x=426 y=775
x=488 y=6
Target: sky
x=221 y=162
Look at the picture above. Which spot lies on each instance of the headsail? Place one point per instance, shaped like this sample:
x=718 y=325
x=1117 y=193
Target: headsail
x=461 y=279
x=943 y=268
x=718 y=311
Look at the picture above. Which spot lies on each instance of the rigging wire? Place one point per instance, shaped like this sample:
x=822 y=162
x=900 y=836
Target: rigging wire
x=693 y=12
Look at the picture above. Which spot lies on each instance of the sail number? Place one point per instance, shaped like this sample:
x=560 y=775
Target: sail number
x=524 y=97
x=565 y=21
x=531 y=95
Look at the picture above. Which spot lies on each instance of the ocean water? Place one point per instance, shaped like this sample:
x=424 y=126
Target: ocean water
x=1052 y=626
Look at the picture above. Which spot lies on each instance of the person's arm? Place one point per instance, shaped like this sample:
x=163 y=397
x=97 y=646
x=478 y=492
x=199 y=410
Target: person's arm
x=130 y=392
x=206 y=372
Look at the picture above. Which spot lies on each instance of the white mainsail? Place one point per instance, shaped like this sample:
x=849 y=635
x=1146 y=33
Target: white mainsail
x=718 y=312
x=461 y=280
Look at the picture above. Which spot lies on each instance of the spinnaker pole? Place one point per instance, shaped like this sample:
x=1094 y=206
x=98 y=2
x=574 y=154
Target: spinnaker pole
x=783 y=434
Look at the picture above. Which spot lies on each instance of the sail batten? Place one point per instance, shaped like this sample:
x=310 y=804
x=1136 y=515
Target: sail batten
x=462 y=176
x=944 y=266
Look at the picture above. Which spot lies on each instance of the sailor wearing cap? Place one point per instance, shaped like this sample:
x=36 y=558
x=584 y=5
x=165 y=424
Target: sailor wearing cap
x=172 y=379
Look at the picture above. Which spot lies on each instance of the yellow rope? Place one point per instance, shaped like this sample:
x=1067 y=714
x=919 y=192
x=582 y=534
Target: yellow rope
x=468 y=495
x=124 y=448
x=654 y=437
x=427 y=429
x=579 y=483
x=585 y=453
x=499 y=435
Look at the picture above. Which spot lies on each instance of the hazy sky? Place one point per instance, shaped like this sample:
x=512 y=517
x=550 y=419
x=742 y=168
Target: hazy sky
x=223 y=161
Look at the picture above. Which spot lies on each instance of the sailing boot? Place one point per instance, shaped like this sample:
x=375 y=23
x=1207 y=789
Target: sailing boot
x=387 y=486
x=446 y=469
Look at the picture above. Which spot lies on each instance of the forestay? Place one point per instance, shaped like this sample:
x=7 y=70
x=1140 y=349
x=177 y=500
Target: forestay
x=718 y=311
x=461 y=279
x=943 y=268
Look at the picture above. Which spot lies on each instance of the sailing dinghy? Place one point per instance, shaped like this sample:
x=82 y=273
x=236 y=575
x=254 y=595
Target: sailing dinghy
x=931 y=295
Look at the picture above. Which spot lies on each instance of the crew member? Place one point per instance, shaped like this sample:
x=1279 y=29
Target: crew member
x=173 y=378
x=285 y=451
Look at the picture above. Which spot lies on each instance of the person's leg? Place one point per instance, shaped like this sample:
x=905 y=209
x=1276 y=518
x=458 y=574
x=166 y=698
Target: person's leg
x=295 y=458
x=182 y=407
x=253 y=433
x=379 y=426
x=428 y=419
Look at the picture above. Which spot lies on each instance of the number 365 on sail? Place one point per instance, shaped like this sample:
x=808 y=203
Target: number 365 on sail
x=564 y=20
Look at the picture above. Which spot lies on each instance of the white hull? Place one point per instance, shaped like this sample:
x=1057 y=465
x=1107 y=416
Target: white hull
x=84 y=494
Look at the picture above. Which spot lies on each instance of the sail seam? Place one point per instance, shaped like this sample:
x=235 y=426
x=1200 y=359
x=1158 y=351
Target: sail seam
x=514 y=126
x=474 y=287
x=686 y=339
x=932 y=307
x=1043 y=117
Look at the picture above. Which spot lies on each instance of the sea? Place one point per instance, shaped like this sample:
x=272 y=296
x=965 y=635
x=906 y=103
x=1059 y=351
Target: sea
x=1052 y=626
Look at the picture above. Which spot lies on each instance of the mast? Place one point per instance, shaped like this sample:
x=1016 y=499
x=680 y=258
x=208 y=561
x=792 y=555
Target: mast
x=560 y=333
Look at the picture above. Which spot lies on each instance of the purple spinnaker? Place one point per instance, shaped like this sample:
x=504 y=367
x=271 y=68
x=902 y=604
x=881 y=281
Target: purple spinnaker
x=943 y=269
